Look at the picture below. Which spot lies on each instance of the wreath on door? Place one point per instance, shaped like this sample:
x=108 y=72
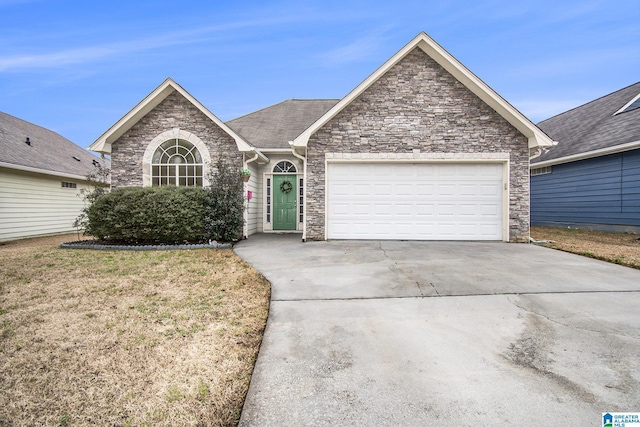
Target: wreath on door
x=286 y=186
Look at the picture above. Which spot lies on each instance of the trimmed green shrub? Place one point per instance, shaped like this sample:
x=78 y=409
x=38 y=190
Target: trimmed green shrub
x=151 y=215
x=224 y=205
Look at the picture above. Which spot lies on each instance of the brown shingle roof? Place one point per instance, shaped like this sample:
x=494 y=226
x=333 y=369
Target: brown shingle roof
x=48 y=151
x=275 y=126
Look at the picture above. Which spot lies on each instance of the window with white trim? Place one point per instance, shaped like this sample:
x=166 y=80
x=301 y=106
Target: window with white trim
x=634 y=104
x=268 y=199
x=301 y=200
x=284 y=167
x=541 y=171
x=177 y=162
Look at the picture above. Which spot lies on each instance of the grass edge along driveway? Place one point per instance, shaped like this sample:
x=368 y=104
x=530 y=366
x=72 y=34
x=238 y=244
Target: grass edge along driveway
x=617 y=248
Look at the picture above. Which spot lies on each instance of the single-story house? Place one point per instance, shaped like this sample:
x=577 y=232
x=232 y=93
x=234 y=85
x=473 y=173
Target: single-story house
x=591 y=178
x=420 y=150
x=41 y=176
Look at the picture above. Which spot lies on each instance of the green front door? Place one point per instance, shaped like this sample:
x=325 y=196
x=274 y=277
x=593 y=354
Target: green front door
x=284 y=202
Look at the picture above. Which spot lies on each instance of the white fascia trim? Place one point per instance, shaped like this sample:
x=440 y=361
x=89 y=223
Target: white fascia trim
x=588 y=155
x=151 y=101
x=276 y=150
x=42 y=171
x=417 y=157
x=536 y=137
x=635 y=98
x=103 y=143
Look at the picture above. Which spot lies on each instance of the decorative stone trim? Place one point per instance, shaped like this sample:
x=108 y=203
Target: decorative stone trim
x=418 y=156
x=175 y=133
x=86 y=244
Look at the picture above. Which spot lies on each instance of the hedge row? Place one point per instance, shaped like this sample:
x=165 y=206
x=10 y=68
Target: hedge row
x=165 y=215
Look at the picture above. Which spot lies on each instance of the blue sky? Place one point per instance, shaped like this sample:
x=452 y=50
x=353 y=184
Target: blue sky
x=76 y=67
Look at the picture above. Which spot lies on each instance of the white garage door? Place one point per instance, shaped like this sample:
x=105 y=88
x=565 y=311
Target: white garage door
x=414 y=201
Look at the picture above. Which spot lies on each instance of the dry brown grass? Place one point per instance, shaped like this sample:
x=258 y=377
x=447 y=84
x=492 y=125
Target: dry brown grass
x=126 y=338
x=618 y=248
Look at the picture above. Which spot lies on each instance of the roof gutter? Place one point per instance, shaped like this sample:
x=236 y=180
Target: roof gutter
x=587 y=155
x=42 y=171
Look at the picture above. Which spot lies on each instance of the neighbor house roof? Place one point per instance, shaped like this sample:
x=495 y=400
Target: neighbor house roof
x=274 y=126
x=537 y=138
x=597 y=128
x=103 y=144
x=47 y=151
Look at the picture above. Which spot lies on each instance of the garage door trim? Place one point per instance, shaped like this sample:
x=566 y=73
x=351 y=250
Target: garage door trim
x=442 y=158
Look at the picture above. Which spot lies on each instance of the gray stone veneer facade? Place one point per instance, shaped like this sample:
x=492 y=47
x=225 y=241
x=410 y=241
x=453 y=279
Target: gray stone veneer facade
x=418 y=105
x=174 y=112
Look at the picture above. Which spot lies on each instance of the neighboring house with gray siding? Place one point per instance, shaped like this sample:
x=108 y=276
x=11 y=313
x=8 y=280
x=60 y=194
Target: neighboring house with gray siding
x=420 y=150
x=591 y=179
x=41 y=176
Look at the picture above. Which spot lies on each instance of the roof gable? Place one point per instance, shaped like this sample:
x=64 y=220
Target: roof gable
x=48 y=152
x=103 y=143
x=273 y=127
x=596 y=128
x=536 y=137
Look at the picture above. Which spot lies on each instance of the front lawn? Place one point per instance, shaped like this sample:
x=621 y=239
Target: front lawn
x=126 y=338
x=618 y=248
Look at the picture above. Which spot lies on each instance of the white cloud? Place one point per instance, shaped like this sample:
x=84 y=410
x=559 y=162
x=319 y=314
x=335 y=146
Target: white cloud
x=88 y=54
x=358 y=50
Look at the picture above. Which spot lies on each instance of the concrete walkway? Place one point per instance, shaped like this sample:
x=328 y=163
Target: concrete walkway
x=441 y=333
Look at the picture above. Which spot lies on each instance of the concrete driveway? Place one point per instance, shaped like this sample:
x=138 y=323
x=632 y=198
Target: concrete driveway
x=439 y=333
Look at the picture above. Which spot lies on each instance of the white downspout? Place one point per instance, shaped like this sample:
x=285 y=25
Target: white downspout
x=304 y=176
x=245 y=214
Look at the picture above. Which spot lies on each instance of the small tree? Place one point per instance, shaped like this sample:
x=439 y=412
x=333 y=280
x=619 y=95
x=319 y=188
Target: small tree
x=98 y=181
x=223 y=218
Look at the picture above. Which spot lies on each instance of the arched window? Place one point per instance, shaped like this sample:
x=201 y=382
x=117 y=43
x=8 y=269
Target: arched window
x=177 y=162
x=284 y=167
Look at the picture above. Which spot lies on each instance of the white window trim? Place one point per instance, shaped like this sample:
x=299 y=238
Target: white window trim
x=267 y=227
x=622 y=110
x=175 y=133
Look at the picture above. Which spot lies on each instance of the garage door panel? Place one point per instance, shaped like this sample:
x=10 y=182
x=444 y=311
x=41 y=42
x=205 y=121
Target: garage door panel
x=424 y=189
x=405 y=190
x=492 y=190
x=468 y=210
x=361 y=209
x=446 y=190
x=425 y=210
x=361 y=189
x=468 y=190
x=341 y=210
x=405 y=209
x=489 y=210
x=414 y=201
x=382 y=210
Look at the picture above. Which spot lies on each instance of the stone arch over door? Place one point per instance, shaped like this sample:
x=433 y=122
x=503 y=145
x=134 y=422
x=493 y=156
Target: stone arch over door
x=174 y=134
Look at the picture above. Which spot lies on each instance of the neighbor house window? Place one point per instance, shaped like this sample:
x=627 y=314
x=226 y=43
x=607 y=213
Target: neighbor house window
x=177 y=162
x=541 y=171
x=69 y=185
